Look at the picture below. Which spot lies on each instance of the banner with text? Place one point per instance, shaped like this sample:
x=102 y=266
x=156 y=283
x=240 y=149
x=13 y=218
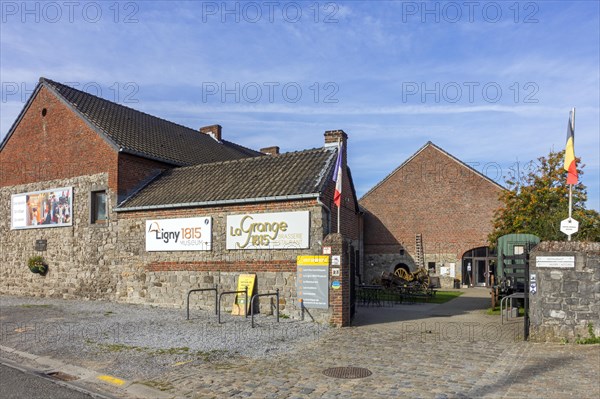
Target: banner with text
x=282 y=230
x=185 y=234
x=39 y=209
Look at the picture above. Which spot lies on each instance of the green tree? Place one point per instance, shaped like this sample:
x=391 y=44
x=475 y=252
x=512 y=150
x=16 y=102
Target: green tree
x=537 y=199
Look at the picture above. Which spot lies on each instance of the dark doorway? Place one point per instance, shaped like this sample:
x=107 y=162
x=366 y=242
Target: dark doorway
x=477 y=266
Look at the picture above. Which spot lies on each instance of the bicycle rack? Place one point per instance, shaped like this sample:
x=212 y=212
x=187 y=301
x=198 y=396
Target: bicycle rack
x=245 y=292
x=516 y=295
x=215 y=289
x=276 y=293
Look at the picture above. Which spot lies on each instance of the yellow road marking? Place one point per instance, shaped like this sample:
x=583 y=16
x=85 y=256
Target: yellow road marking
x=112 y=380
x=181 y=363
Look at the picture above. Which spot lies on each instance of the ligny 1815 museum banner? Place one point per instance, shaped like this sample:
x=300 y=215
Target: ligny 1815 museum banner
x=39 y=209
x=282 y=230
x=185 y=234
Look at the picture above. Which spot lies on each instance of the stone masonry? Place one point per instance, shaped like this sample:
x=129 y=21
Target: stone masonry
x=567 y=299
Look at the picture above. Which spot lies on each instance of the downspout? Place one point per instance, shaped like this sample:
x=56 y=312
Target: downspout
x=328 y=214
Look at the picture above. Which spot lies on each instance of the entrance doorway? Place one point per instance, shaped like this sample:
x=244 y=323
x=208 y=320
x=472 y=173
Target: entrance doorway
x=478 y=266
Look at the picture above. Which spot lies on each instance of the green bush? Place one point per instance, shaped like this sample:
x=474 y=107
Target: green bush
x=592 y=339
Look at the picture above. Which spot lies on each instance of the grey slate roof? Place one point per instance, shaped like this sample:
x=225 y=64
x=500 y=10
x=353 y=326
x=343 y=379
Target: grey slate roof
x=292 y=175
x=145 y=135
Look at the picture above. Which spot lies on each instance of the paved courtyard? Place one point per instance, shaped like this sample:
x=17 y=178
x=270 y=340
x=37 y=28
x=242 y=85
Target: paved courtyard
x=453 y=350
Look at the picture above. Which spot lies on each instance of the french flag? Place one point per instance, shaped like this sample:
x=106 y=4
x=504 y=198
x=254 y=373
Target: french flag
x=337 y=178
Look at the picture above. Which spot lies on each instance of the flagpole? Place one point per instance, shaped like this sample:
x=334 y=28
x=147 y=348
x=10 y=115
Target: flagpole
x=340 y=177
x=570 y=207
x=570 y=185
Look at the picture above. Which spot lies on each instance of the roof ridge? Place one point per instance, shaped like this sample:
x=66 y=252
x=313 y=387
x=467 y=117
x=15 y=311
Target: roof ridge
x=52 y=82
x=255 y=159
x=414 y=155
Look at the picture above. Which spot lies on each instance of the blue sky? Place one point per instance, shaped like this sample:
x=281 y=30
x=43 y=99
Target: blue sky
x=490 y=82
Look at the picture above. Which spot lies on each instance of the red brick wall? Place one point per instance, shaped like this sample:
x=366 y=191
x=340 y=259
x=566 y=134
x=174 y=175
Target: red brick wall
x=134 y=170
x=248 y=266
x=56 y=146
x=449 y=204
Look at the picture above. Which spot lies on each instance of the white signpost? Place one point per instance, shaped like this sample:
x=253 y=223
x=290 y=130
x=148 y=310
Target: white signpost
x=569 y=226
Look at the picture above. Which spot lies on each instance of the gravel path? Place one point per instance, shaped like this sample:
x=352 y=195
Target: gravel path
x=136 y=341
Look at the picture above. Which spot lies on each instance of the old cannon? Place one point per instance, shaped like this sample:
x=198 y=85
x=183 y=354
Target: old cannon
x=418 y=279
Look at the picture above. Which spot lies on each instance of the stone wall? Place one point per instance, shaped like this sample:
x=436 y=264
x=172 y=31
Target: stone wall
x=81 y=257
x=109 y=261
x=567 y=299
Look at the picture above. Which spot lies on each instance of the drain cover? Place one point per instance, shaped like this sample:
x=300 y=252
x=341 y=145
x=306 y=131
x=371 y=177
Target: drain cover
x=59 y=375
x=347 y=372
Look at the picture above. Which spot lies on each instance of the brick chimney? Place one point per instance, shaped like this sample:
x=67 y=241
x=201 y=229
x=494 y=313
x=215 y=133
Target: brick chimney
x=333 y=136
x=213 y=131
x=270 y=150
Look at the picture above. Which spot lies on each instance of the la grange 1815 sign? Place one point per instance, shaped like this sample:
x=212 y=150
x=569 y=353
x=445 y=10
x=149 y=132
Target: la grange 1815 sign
x=282 y=230
x=186 y=234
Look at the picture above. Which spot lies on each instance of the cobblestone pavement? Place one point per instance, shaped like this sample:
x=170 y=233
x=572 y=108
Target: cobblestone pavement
x=452 y=350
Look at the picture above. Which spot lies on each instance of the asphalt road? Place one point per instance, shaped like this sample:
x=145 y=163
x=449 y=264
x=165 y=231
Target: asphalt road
x=16 y=384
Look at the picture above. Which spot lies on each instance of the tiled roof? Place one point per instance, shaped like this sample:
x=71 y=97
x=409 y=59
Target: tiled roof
x=290 y=175
x=146 y=135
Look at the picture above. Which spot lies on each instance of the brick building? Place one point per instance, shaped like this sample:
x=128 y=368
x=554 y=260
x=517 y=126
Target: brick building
x=433 y=210
x=126 y=206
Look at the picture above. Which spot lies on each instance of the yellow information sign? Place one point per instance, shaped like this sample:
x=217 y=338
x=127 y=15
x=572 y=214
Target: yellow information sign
x=312 y=281
x=313 y=260
x=240 y=307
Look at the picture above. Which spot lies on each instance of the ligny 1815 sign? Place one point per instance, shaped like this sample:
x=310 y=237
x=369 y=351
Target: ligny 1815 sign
x=282 y=230
x=186 y=234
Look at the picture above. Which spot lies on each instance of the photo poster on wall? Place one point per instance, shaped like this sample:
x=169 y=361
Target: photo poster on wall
x=42 y=209
x=241 y=307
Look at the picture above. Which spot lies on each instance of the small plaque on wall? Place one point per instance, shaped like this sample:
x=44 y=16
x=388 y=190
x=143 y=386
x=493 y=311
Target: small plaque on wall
x=563 y=262
x=40 y=245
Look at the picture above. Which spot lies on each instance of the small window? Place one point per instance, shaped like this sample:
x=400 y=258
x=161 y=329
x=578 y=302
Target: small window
x=431 y=267
x=519 y=249
x=98 y=206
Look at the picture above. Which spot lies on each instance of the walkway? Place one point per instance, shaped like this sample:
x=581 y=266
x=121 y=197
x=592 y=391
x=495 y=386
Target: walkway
x=453 y=350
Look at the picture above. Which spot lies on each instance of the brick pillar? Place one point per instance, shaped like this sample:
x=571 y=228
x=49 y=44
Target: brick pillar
x=339 y=299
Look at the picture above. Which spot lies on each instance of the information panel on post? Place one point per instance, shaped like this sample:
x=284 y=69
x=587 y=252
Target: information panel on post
x=312 y=282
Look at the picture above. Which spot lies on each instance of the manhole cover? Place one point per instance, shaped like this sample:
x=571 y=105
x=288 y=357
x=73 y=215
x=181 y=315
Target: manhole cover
x=59 y=375
x=347 y=372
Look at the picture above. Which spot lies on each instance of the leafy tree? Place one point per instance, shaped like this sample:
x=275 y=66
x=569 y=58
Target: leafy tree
x=537 y=199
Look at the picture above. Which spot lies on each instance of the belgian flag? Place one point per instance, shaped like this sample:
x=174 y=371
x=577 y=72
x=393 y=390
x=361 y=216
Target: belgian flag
x=570 y=165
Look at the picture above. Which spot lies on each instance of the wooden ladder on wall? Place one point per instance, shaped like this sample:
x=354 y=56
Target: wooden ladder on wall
x=420 y=256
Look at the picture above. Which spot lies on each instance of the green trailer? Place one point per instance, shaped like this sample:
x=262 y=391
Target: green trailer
x=510 y=273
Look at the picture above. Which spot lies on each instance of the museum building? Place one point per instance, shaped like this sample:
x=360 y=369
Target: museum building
x=129 y=207
x=432 y=211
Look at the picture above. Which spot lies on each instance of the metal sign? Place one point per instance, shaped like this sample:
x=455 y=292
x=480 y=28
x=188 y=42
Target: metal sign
x=185 y=234
x=240 y=306
x=563 y=262
x=312 y=281
x=280 y=230
x=532 y=283
x=40 y=245
x=569 y=226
